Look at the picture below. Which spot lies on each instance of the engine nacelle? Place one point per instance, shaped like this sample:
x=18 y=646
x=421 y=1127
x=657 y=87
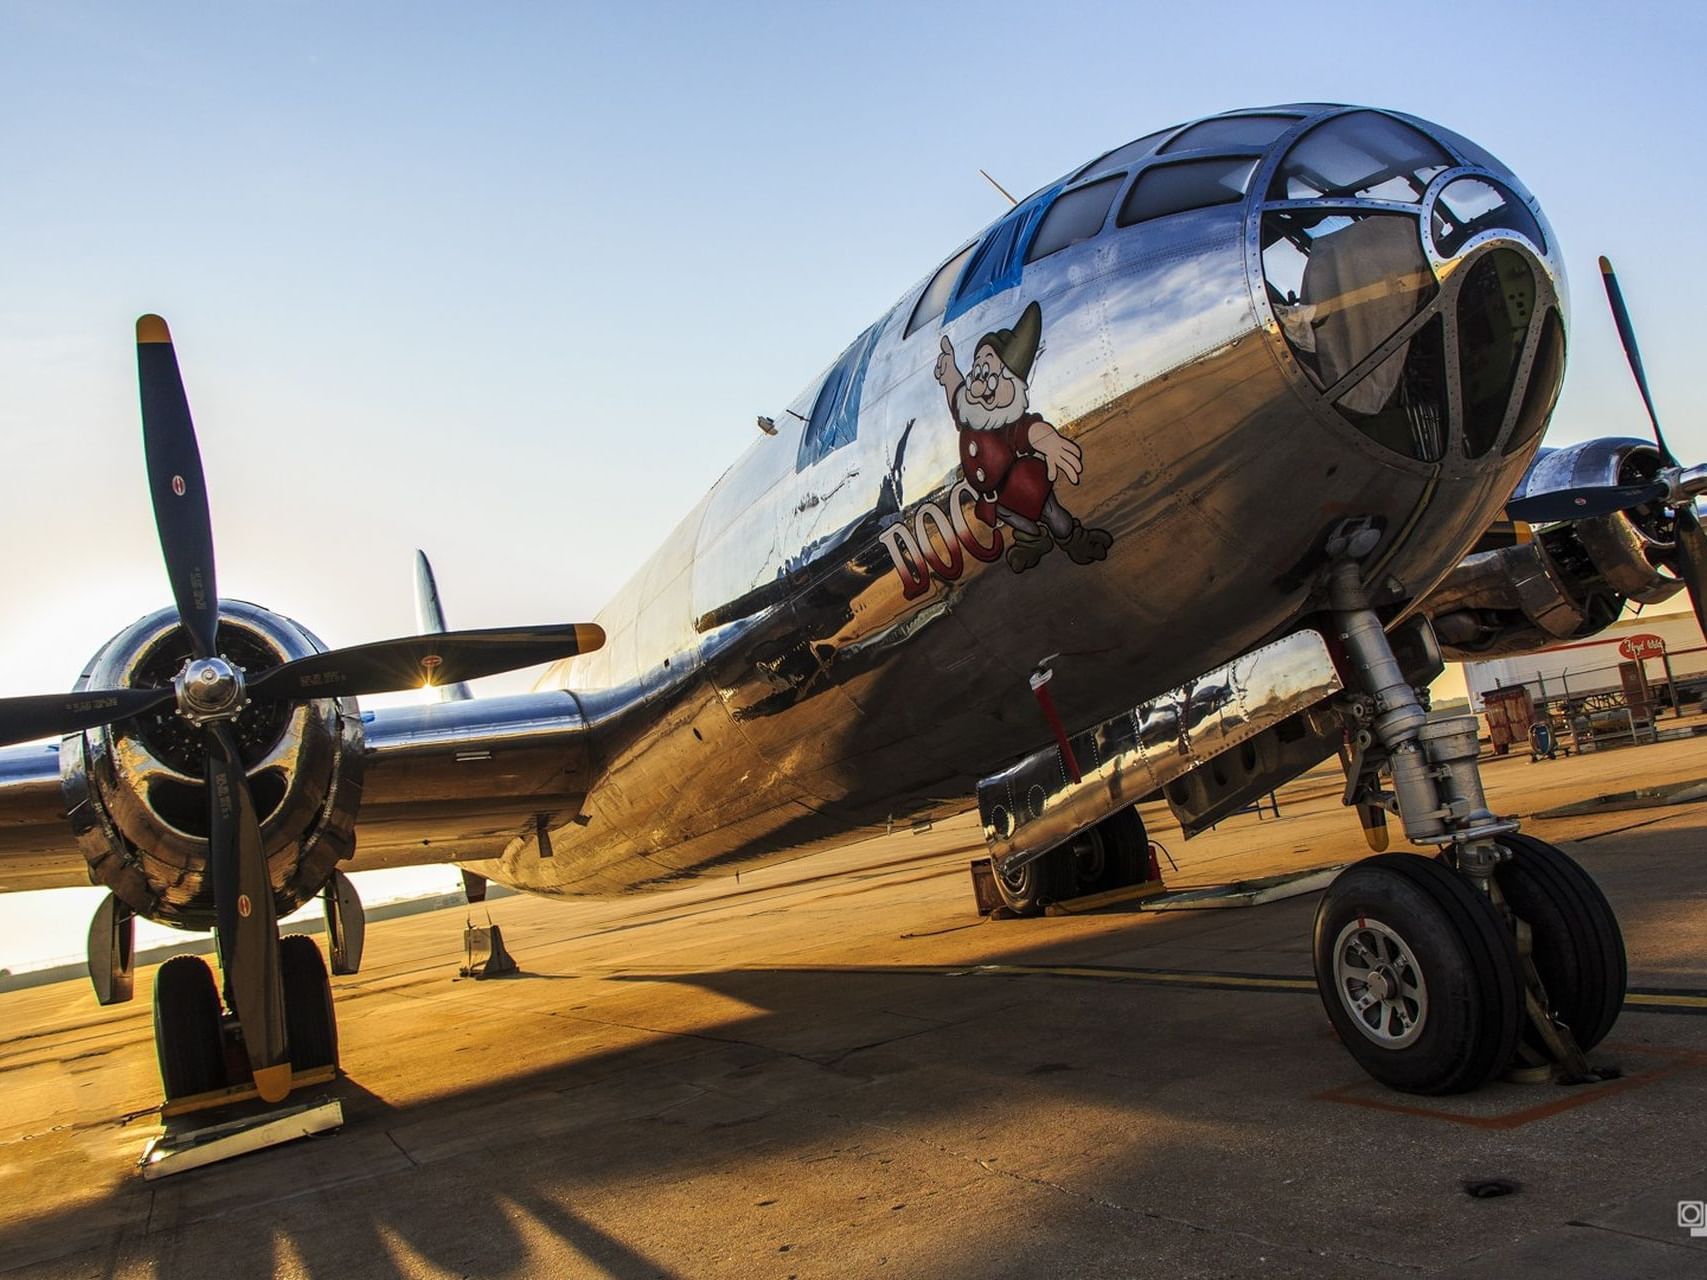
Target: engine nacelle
x=1574 y=578
x=135 y=790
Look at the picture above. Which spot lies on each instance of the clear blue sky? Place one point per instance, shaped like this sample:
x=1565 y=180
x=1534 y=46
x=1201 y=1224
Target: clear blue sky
x=510 y=282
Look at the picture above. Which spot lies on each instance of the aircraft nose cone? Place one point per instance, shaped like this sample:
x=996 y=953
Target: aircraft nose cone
x=1416 y=295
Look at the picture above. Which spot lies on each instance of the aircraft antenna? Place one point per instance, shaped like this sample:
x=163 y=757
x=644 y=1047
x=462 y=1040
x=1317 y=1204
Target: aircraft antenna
x=999 y=187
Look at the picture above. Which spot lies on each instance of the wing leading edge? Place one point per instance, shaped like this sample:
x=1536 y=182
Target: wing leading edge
x=446 y=782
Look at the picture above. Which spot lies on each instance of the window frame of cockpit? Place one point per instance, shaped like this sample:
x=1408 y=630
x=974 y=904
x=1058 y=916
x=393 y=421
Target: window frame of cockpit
x=1115 y=182
x=838 y=426
x=916 y=321
x=1467 y=159
x=963 y=296
x=1184 y=160
x=1020 y=224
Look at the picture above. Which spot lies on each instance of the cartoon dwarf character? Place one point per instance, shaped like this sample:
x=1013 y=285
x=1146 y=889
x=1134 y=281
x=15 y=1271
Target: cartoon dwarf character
x=1010 y=455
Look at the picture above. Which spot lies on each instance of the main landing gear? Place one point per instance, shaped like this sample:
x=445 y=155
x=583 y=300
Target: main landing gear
x=202 y=1061
x=198 y=1036
x=1113 y=854
x=1439 y=973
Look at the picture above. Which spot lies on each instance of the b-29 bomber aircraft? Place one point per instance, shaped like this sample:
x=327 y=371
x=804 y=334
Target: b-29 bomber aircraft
x=1231 y=434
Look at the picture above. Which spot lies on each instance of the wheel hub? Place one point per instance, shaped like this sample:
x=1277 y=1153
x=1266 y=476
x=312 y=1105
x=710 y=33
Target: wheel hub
x=1380 y=983
x=1089 y=858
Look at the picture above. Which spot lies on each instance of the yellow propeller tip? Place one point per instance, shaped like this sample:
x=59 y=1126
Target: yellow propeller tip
x=589 y=636
x=152 y=328
x=273 y=1083
x=1605 y=265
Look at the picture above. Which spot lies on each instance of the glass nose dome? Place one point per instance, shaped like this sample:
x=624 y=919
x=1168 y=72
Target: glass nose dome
x=1422 y=359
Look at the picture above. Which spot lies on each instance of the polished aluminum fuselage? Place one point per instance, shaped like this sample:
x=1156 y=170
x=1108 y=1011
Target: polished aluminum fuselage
x=772 y=677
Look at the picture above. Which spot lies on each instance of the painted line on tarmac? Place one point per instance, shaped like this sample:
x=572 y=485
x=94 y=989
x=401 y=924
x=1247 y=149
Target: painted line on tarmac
x=1660 y=1000
x=1214 y=979
x=1663 y=1000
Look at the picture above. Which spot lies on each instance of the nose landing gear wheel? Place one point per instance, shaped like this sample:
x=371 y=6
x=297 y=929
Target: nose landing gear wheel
x=1418 y=975
x=1576 y=943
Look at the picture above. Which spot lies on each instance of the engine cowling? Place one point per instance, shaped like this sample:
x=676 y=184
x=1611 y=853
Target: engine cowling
x=135 y=792
x=1573 y=579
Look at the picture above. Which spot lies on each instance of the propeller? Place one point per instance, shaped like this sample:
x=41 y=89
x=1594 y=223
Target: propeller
x=1677 y=486
x=45 y=714
x=210 y=691
x=1585 y=503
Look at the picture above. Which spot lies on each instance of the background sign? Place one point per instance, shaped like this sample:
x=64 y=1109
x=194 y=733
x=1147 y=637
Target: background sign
x=1636 y=648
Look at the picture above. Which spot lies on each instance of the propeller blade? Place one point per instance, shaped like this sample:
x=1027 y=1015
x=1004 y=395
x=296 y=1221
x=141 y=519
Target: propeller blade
x=1627 y=335
x=448 y=657
x=176 y=485
x=57 y=714
x=248 y=925
x=1584 y=504
x=1692 y=561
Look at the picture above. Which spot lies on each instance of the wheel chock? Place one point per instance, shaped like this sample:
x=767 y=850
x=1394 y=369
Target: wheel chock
x=984 y=886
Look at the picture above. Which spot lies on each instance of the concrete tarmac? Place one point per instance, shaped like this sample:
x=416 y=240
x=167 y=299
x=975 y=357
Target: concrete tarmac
x=834 y=1068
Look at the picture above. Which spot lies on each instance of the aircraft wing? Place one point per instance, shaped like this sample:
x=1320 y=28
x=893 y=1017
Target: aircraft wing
x=444 y=782
x=37 y=850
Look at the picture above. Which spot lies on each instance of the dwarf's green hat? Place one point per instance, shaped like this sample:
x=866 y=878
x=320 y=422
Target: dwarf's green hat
x=1017 y=347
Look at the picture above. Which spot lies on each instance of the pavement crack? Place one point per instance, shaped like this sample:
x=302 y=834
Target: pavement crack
x=1687 y=1246
x=392 y=1139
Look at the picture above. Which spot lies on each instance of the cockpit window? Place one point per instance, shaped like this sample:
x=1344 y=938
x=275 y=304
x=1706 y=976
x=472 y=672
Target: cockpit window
x=1000 y=259
x=1470 y=206
x=1124 y=157
x=1188 y=184
x=1363 y=155
x=934 y=300
x=1401 y=402
x=1342 y=283
x=1231 y=131
x=1495 y=306
x=835 y=413
x=1545 y=377
x=1077 y=215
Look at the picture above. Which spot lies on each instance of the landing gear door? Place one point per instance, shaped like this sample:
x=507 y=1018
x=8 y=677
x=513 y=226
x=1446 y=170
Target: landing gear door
x=112 y=952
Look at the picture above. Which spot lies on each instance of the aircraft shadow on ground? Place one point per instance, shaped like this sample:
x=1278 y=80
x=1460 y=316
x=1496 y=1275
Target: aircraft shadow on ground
x=912 y=1068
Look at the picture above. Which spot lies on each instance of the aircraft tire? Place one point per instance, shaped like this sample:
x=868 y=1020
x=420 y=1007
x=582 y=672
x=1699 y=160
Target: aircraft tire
x=187 y=1037
x=1027 y=891
x=1577 y=946
x=310 y=1021
x=1433 y=963
x=1126 y=850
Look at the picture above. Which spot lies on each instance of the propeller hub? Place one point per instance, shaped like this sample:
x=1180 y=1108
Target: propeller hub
x=1686 y=483
x=209 y=689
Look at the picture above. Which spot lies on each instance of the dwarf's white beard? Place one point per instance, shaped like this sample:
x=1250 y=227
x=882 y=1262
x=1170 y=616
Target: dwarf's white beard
x=971 y=415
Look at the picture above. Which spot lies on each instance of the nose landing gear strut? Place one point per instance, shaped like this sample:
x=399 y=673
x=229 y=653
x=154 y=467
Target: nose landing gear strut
x=1440 y=972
